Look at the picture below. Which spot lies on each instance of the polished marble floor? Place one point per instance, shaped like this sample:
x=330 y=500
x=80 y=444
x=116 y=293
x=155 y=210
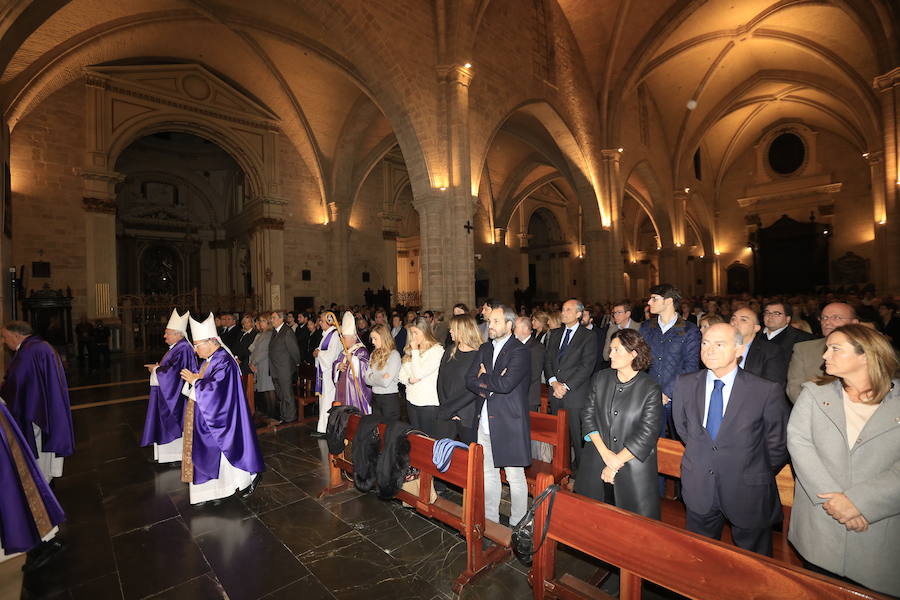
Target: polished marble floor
x=131 y=532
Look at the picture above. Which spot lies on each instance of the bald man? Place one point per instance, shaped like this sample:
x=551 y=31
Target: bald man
x=806 y=359
x=760 y=357
x=733 y=425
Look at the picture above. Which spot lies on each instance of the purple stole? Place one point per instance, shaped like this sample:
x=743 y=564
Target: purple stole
x=319 y=374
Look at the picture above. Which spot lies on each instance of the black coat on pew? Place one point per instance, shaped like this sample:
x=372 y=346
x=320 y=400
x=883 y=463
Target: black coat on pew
x=504 y=386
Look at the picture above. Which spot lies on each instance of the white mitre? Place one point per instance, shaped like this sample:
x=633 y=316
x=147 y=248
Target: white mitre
x=205 y=330
x=348 y=324
x=179 y=322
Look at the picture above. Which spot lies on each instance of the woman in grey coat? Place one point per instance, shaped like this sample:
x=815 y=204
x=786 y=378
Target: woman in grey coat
x=622 y=420
x=259 y=364
x=844 y=440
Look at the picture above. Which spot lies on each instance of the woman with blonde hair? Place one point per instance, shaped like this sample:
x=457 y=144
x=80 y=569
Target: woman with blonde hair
x=456 y=413
x=844 y=440
x=419 y=373
x=708 y=320
x=540 y=322
x=554 y=319
x=383 y=373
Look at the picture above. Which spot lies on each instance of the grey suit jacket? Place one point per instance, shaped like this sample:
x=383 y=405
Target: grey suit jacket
x=609 y=333
x=284 y=355
x=806 y=365
x=868 y=474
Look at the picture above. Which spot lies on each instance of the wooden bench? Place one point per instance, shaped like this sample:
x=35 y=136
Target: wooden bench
x=553 y=430
x=467 y=472
x=305 y=393
x=669 y=454
x=645 y=549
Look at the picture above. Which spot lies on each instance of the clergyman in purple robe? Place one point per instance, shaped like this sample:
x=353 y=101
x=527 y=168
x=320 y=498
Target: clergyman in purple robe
x=349 y=369
x=165 y=412
x=221 y=452
x=37 y=393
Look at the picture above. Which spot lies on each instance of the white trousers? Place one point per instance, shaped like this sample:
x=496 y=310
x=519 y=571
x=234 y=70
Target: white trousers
x=325 y=400
x=518 y=486
x=49 y=463
x=168 y=453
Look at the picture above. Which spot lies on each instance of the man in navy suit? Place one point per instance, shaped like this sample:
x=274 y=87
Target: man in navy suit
x=501 y=376
x=733 y=425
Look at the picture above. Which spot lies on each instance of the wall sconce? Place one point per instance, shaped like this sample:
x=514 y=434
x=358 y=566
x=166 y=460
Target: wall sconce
x=620 y=150
x=687 y=190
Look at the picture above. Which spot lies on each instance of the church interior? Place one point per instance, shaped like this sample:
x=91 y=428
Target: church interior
x=238 y=156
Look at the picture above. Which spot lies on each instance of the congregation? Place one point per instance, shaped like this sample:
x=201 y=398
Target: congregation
x=747 y=384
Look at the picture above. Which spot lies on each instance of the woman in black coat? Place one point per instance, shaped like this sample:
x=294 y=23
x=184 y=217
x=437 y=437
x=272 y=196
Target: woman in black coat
x=622 y=419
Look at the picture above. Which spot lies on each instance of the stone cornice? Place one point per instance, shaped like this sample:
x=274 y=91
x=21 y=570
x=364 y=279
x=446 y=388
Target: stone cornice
x=267 y=223
x=99 y=205
x=816 y=191
x=455 y=74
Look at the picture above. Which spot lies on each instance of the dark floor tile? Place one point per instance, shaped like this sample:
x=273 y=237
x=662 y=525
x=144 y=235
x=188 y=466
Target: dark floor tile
x=103 y=588
x=157 y=558
x=273 y=491
x=204 y=587
x=292 y=463
x=202 y=519
x=79 y=495
x=298 y=437
x=249 y=560
x=304 y=525
x=351 y=562
x=269 y=444
x=407 y=587
x=117 y=474
x=308 y=588
x=315 y=481
x=438 y=557
x=384 y=522
x=136 y=506
x=500 y=582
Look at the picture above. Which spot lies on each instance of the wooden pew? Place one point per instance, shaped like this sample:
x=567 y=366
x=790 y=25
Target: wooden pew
x=669 y=453
x=467 y=472
x=686 y=563
x=553 y=430
x=249 y=392
x=305 y=393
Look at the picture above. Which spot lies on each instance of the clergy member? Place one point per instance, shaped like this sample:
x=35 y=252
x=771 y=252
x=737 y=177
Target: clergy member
x=165 y=411
x=37 y=393
x=29 y=512
x=350 y=367
x=221 y=453
x=327 y=352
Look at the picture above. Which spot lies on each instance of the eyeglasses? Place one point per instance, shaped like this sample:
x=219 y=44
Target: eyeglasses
x=619 y=312
x=825 y=318
x=773 y=313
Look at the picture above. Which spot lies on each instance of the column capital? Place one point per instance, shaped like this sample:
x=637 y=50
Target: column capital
x=680 y=194
x=613 y=154
x=887 y=81
x=264 y=223
x=875 y=157
x=99 y=205
x=458 y=74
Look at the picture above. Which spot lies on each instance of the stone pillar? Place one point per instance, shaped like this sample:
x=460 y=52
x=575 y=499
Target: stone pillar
x=5 y=299
x=668 y=265
x=879 y=216
x=888 y=88
x=99 y=202
x=595 y=264
x=267 y=263
x=221 y=258
x=339 y=237
x=390 y=229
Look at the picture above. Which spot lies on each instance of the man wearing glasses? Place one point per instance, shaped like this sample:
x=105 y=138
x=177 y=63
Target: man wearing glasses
x=806 y=359
x=779 y=331
x=621 y=319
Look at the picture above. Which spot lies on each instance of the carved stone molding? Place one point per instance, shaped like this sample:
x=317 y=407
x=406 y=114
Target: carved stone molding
x=267 y=223
x=99 y=205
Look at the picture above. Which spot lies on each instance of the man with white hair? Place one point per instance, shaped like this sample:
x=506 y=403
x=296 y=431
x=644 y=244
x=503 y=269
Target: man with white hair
x=350 y=368
x=164 y=424
x=221 y=453
x=806 y=358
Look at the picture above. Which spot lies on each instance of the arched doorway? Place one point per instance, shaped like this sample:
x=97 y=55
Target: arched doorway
x=548 y=254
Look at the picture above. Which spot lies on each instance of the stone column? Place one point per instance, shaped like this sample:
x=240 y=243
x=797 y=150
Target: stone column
x=390 y=229
x=267 y=262
x=879 y=216
x=668 y=265
x=888 y=88
x=5 y=300
x=99 y=202
x=339 y=237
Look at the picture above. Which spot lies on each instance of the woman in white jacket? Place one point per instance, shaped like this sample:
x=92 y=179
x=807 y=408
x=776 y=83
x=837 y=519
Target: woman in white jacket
x=419 y=373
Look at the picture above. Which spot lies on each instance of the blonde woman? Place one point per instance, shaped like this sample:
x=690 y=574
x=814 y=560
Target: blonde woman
x=554 y=319
x=844 y=441
x=540 y=322
x=419 y=373
x=383 y=374
x=456 y=414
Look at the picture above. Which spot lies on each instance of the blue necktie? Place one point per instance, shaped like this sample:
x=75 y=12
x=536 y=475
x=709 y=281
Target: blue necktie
x=716 y=403
x=565 y=342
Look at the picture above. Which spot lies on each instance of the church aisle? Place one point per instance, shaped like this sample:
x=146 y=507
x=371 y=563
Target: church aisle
x=131 y=532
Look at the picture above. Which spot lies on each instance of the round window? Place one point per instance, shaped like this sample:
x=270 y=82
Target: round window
x=786 y=153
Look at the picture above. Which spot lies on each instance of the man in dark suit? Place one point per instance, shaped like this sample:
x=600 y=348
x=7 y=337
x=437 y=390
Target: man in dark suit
x=760 y=356
x=230 y=333
x=242 y=346
x=501 y=376
x=522 y=332
x=302 y=334
x=284 y=355
x=568 y=366
x=733 y=425
x=778 y=328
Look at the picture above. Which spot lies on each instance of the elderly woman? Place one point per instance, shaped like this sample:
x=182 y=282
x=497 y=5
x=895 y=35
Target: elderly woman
x=623 y=418
x=844 y=440
x=259 y=366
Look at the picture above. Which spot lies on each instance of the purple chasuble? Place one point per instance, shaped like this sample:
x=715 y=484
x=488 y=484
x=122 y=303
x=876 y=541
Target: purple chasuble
x=351 y=391
x=165 y=411
x=222 y=421
x=18 y=532
x=36 y=390
x=319 y=374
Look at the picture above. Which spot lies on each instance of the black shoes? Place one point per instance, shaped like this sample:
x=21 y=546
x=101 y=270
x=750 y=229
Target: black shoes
x=317 y=435
x=210 y=503
x=41 y=554
x=245 y=493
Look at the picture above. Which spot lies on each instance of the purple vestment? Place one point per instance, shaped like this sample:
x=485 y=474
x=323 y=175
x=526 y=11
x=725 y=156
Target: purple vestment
x=18 y=532
x=36 y=391
x=350 y=390
x=165 y=412
x=222 y=421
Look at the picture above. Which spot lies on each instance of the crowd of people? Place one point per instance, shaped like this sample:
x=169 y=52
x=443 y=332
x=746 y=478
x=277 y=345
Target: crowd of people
x=747 y=384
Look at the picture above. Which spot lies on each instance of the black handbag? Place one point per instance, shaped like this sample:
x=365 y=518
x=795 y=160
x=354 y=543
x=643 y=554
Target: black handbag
x=523 y=533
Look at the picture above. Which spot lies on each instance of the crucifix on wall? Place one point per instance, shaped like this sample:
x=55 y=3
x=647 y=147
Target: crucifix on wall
x=468 y=227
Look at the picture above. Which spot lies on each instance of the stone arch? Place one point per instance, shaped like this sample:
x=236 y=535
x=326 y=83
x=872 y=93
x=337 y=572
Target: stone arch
x=644 y=186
